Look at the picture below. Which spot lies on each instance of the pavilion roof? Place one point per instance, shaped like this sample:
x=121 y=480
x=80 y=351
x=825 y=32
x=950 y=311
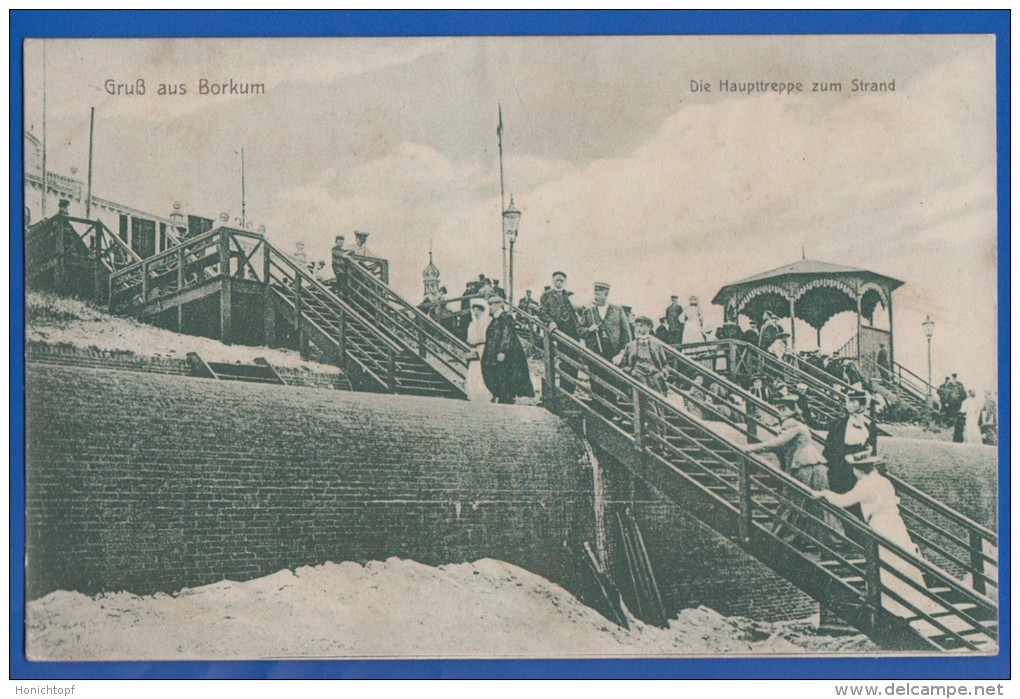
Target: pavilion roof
x=807 y=269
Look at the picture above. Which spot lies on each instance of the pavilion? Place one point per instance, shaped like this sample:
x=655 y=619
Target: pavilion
x=814 y=292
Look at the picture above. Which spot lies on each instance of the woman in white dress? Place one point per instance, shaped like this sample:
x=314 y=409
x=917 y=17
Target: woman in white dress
x=880 y=508
x=693 y=322
x=971 y=410
x=475 y=384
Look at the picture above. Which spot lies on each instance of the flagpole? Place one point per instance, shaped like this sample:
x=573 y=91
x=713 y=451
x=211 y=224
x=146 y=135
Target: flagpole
x=44 y=178
x=244 y=219
x=92 y=129
x=502 y=195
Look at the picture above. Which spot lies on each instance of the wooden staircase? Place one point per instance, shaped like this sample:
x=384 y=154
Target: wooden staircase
x=684 y=455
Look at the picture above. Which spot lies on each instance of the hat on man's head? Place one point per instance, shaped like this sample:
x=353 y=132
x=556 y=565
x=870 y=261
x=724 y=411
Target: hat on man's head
x=693 y=299
x=644 y=320
x=863 y=458
x=674 y=297
x=559 y=274
x=494 y=299
x=601 y=286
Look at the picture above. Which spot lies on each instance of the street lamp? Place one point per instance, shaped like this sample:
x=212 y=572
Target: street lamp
x=928 y=326
x=511 y=221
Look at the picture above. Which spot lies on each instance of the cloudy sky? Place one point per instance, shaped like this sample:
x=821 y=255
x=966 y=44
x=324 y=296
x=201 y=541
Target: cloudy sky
x=623 y=173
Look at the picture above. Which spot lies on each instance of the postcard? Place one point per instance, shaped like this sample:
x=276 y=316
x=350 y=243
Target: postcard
x=511 y=347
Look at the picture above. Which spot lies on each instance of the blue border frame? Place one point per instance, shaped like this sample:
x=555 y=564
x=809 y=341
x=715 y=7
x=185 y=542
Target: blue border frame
x=58 y=24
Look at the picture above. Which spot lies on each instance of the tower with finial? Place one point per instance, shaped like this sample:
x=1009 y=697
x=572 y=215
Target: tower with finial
x=430 y=277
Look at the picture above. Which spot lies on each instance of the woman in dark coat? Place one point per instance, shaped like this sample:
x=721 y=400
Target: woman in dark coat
x=504 y=366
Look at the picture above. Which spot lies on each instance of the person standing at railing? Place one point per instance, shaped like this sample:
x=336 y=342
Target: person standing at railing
x=957 y=394
x=770 y=330
x=604 y=326
x=644 y=358
x=876 y=498
x=851 y=434
x=944 y=393
x=799 y=457
x=475 y=383
x=504 y=366
x=971 y=412
x=528 y=304
x=339 y=263
x=693 y=323
x=556 y=309
x=674 y=327
x=750 y=336
x=882 y=359
x=988 y=421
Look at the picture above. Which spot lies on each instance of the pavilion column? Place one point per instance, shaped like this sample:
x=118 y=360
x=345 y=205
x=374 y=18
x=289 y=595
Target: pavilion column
x=892 y=355
x=859 y=312
x=793 y=325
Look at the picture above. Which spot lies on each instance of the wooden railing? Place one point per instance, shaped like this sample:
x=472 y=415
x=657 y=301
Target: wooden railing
x=826 y=393
x=943 y=533
x=217 y=253
x=372 y=327
x=757 y=495
x=390 y=311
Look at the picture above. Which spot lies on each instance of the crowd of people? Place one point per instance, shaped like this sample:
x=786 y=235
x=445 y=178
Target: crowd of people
x=972 y=421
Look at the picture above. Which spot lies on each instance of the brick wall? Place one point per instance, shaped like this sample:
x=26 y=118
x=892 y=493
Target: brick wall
x=70 y=355
x=148 y=483
x=313 y=379
x=694 y=565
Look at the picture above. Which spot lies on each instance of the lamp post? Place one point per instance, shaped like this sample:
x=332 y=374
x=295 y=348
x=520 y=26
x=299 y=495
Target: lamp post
x=928 y=326
x=511 y=221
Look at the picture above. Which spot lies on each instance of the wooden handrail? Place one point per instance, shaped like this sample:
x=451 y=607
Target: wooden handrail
x=388 y=294
x=734 y=456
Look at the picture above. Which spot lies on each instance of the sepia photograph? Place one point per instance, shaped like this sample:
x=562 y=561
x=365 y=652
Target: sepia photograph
x=510 y=347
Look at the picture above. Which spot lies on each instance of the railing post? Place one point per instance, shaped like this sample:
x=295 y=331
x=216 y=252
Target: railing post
x=343 y=338
x=268 y=312
x=549 y=350
x=391 y=371
x=746 y=503
x=145 y=282
x=873 y=574
x=226 y=288
x=224 y=250
x=298 y=325
x=731 y=361
x=750 y=423
x=977 y=562
x=421 y=338
x=180 y=267
x=638 y=427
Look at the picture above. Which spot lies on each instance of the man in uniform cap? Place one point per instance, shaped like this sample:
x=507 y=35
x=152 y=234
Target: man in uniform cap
x=673 y=325
x=604 y=326
x=557 y=308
